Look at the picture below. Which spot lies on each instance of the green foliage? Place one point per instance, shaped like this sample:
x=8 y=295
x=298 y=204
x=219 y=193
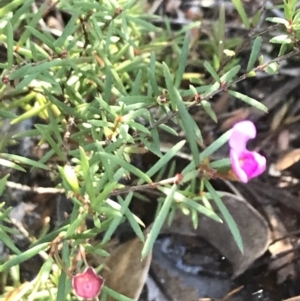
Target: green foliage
x=107 y=84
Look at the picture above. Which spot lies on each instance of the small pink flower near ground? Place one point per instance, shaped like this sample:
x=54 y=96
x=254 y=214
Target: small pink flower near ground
x=87 y=284
x=246 y=164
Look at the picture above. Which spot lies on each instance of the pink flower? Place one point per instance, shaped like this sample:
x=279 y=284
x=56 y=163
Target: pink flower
x=88 y=284
x=246 y=164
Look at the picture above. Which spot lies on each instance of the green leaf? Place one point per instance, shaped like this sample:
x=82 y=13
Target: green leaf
x=241 y=11
x=114 y=295
x=68 y=31
x=251 y=101
x=10 y=164
x=194 y=205
x=88 y=180
x=170 y=85
x=29 y=69
x=44 y=37
x=117 y=220
x=44 y=130
x=160 y=219
x=296 y=18
x=63 y=286
x=212 y=71
x=134 y=222
x=233 y=227
x=147 y=26
x=135 y=99
x=163 y=161
x=168 y=129
x=209 y=110
x=10 y=45
x=256 y=18
x=24 y=161
x=136 y=86
x=7 y=114
x=228 y=76
x=189 y=128
x=221 y=33
x=25 y=82
x=76 y=223
x=31 y=113
x=69 y=175
x=182 y=61
x=137 y=126
x=225 y=162
x=152 y=83
x=8 y=242
x=107 y=189
x=278 y=20
x=16 y=260
x=281 y=39
x=272 y=68
x=254 y=53
x=118 y=161
x=3 y=183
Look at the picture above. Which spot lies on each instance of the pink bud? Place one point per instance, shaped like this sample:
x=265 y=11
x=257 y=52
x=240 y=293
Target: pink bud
x=88 y=284
x=246 y=164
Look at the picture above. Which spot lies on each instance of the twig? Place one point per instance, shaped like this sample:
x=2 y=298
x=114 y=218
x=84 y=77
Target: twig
x=39 y=190
x=146 y=187
x=224 y=87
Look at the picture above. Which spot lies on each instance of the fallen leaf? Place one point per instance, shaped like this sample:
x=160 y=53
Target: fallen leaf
x=297 y=298
x=125 y=272
x=221 y=104
x=283 y=140
x=288 y=160
x=278 y=117
x=278 y=230
x=236 y=116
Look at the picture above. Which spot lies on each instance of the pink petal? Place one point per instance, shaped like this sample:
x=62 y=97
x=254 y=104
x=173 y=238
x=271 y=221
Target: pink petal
x=247 y=165
x=236 y=166
x=261 y=164
x=87 y=284
x=241 y=133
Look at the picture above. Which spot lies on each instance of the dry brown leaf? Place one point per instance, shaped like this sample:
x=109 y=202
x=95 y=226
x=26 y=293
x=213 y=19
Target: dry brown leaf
x=278 y=117
x=283 y=140
x=278 y=231
x=125 y=272
x=253 y=228
x=221 y=104
x=297 y=298
x=288 y=160
x=17 y=292
x=237 y=116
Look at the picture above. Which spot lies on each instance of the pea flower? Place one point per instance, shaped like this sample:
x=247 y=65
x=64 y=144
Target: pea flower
x=87 y=284
x=246 y=164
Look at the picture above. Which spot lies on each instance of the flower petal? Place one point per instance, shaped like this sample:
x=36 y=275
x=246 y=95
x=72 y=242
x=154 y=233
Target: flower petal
x=241 y=133
x=87 y=284
x=236 y=166
x=261 y=164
